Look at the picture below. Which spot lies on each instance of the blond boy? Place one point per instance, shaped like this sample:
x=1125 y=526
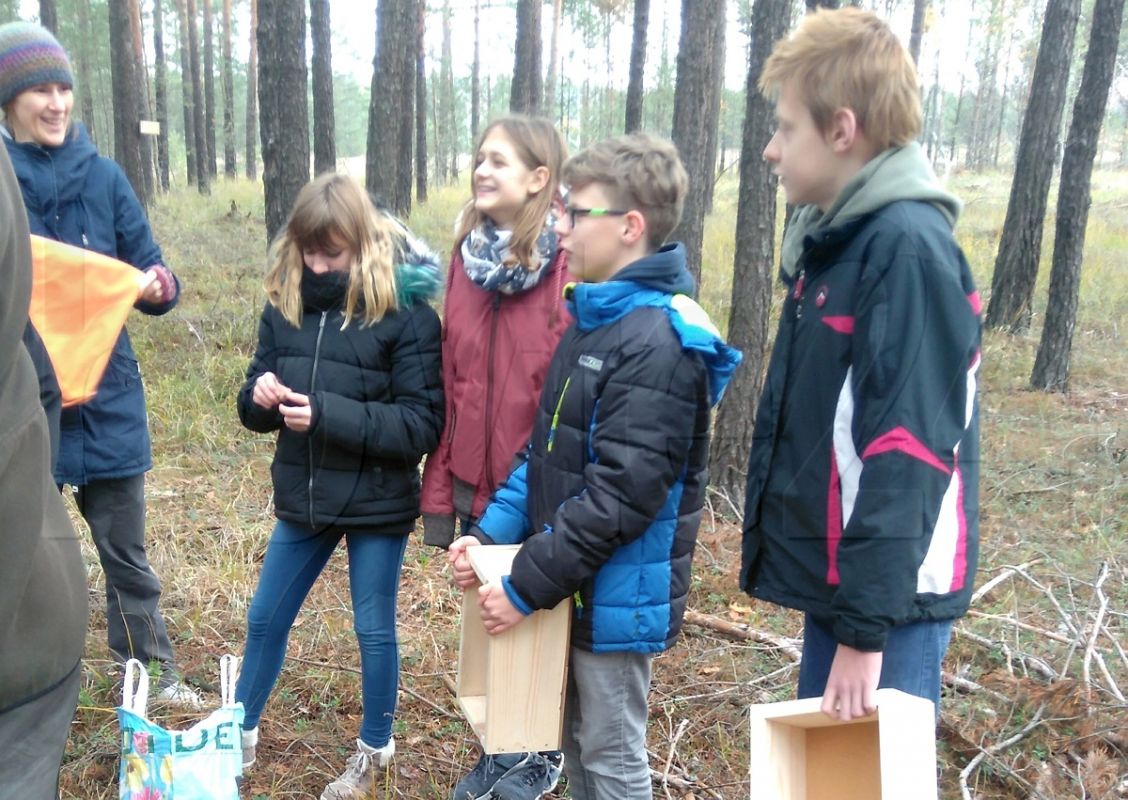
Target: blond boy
x=862 y=505
x=609 y=498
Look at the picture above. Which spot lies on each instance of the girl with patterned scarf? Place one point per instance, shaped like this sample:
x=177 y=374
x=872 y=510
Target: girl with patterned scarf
x=502 y=318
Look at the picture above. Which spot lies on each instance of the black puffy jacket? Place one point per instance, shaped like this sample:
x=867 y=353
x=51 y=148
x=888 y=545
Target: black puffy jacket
x=376 y=402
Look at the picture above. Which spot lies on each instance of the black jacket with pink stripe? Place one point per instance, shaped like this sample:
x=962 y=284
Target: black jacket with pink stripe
x=862 y=504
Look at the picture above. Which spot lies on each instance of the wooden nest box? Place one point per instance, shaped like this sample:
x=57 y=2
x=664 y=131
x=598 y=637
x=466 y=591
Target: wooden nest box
x=799 y=753
x=511 y=686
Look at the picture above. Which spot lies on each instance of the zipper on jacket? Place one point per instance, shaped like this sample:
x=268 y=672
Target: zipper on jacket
x=797 y=292
x=312 y=386
x=556 y=414
x=495 y=313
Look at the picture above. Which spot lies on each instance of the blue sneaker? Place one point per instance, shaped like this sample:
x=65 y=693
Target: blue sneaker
x=532 y=779
x=489 y=769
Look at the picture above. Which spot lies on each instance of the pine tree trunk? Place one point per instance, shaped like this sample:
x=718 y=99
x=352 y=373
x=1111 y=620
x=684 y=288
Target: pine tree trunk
x=49 y=16
x=160 y=80
x=186 y=83
x=1051 y=366
x=421 y=105
x=390 y=109
x=920 y=8
x=125 y=76
x=82 y=65
x=554 y=60
x=209 y=89
x=284 y=112
x=1016 y=267
x=695 y=119
x=526 y=91
x=324 y=125
x=448 y=117
x=203 y=171
x=716 y=80
x=638 y=66
x=230 y=167
x=250 y=158
x=753 y=264
x=475 y=71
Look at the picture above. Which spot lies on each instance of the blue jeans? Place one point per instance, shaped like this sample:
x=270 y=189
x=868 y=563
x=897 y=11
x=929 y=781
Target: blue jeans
x=295 y=557
x=910 y=662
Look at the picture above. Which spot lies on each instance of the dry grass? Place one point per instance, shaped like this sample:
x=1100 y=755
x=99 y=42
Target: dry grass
x=1053 y=496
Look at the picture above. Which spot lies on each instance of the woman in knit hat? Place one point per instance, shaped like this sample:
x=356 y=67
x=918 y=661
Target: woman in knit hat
x=76 y=196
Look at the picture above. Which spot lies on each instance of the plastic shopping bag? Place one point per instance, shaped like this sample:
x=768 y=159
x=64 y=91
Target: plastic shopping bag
x=200 y=763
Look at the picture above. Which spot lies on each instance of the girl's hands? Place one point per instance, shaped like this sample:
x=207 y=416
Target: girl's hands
x=269 y=391
x=461 y=571
x=296 y=412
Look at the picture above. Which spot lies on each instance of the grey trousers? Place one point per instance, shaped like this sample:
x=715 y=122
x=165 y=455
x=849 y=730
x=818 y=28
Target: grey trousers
x=32 y=739
x=605 y=713
x=115 y=511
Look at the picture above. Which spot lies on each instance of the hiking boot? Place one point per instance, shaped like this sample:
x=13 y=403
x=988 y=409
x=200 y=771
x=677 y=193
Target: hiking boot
x=530 y=780
x=250 y=740
x=359 y=777
x=486 y=773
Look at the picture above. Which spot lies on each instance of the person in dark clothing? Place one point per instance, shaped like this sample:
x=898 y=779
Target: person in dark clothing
x=862 y=507
x=73 y=195
x=348 y=371
x=608 y=501
x=42 y=578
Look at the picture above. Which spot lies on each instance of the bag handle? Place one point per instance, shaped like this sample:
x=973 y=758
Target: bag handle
x=228 y=675
x=135 y=688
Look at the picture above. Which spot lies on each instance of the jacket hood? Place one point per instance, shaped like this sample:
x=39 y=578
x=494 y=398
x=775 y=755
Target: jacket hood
x=69 y=161
x=418 y=276
x=658 y=281
x=900 y=173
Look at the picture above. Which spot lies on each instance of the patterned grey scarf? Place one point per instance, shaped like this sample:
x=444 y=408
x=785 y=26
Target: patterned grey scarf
x=486 y=250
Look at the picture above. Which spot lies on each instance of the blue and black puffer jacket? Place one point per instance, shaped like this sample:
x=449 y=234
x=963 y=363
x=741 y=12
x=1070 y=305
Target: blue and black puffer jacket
x=609 y=498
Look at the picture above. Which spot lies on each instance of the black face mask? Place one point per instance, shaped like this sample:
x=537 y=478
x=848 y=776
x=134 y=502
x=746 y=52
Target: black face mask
x=323 y=292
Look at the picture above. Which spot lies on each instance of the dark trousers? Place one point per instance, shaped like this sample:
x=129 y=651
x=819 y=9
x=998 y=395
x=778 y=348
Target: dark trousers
x=32 y=739
x=115 y=511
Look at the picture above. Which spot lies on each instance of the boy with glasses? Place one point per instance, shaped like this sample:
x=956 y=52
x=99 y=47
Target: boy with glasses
x=608 y=500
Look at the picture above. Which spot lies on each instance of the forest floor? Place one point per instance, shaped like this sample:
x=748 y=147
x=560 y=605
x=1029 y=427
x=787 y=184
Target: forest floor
x=1033 y=706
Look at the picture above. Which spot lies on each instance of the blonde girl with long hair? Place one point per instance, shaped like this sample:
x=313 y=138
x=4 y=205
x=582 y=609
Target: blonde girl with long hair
x=347 y=372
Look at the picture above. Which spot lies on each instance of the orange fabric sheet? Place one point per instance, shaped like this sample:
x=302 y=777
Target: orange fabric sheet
x=79 y=302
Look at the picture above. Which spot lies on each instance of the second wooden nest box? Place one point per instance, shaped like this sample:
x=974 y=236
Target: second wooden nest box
x=799 y=753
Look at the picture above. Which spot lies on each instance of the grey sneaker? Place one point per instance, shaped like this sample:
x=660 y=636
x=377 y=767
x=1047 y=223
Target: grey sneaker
x=250 y=741
x=177 y=693
x=531 y=780
x=489 y=769
x=359 y=776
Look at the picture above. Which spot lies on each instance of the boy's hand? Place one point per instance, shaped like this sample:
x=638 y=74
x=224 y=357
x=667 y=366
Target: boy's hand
x=461 y=572
x=852 y=684
x=269 y=391
x=296 y=412
x=158 y=285
x=498 y=614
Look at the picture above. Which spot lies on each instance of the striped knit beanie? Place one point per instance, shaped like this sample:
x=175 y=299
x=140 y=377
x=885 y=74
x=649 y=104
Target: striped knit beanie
x=30 y=55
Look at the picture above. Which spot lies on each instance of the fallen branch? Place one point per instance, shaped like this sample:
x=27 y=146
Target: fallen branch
x=1057 y=637
x=743 y=633
x=670 y=755
x=1091 y=646
x=1002 y=576
x=1027 y=661
x=965 y=792
x=971 y=687
x=683 y=782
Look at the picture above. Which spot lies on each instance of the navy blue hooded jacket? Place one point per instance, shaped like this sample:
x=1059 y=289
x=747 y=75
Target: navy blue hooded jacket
x=73 y=195
x=609 y=499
